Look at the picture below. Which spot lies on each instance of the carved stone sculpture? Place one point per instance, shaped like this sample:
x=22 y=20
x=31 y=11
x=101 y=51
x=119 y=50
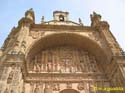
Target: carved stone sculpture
x=48 y=89
x=56 y=87
x=9 y=80
x=37 y=90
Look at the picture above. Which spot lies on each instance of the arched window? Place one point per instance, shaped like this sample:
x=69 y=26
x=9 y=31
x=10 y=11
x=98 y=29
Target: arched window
x=61 y=18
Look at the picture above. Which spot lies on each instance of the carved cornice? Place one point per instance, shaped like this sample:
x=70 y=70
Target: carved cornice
x=60 y=28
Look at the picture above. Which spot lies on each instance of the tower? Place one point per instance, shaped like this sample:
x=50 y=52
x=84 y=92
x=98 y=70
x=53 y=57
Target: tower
x=61 y=56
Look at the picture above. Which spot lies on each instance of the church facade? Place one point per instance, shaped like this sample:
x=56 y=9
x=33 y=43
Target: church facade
x=61 y=56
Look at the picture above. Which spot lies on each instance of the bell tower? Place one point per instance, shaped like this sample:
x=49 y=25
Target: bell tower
x=60 y=16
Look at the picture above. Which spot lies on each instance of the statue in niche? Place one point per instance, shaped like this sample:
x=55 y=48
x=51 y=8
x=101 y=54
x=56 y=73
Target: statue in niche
x=95 y=18
x=56 y=87
x=40 y=67
x=41 y=87
x=32 y=87
x=90 y=87
x=37 y=90
x=58 y=67
x=13 y=66
x=6 y=90
x=31 y=65
x=49 y=66
x=36 y=67
x=47 y=89
x=9 y=80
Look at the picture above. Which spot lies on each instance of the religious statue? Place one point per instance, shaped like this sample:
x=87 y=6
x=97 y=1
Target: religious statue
x=10 y=77
x=37 y=90
x=95 y=19
x=47 y=89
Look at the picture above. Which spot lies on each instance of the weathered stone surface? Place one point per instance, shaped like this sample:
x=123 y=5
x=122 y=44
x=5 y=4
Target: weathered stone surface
x=61 y=56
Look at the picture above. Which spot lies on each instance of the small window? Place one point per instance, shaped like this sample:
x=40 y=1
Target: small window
x=61 y=18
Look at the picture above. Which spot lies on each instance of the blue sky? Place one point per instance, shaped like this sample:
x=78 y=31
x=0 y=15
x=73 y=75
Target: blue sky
x=112 y=11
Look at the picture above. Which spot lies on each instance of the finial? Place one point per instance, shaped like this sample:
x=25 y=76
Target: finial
x=94 y=13
x=95 y=19
x=80 y=21
x=31 y=9
x=42 y=19
x=13 y=28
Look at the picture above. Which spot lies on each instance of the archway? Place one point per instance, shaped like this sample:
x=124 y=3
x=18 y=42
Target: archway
x=70 y=39
x=69 y=91
x=43 y=53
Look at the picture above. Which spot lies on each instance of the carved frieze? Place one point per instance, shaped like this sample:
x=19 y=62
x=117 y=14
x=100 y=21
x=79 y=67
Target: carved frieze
x=62 y=60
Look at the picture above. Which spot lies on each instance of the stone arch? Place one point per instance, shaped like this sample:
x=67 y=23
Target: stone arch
x=69 y=91
x=71 y=39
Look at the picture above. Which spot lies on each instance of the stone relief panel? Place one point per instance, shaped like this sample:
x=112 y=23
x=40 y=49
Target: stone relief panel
x=81 y=87
x=63 y=60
